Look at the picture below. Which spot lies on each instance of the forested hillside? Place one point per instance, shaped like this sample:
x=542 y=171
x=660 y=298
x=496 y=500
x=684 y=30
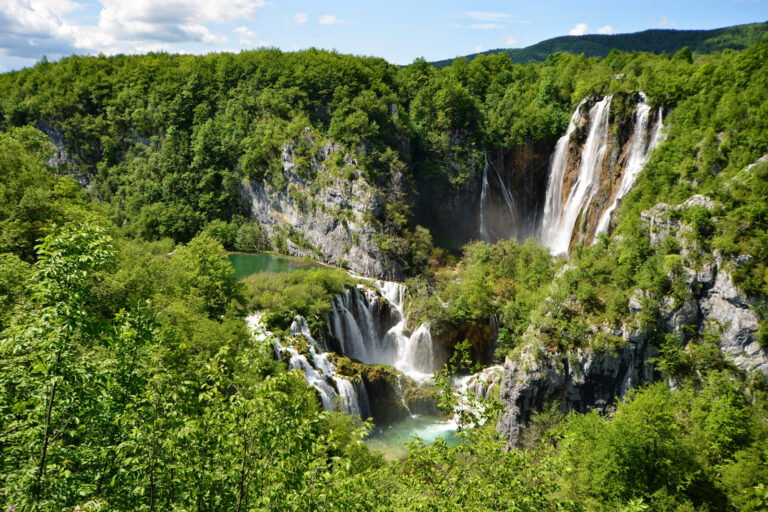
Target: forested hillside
x=132 y=376
x=656 y=41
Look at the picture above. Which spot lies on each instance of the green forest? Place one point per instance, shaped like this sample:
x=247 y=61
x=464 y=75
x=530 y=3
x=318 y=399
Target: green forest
x=129 y=379
x=657 y=41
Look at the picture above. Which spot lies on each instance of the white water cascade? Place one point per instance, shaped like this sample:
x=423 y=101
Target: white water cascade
x=638 y=154
x=354 y=321
x=560 y=217
x=336 y=392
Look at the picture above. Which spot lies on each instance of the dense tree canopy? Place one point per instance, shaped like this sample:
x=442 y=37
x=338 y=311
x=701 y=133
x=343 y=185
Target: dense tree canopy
x=128 y=377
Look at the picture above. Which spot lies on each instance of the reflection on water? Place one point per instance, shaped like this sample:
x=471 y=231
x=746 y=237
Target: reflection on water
x=249 y=264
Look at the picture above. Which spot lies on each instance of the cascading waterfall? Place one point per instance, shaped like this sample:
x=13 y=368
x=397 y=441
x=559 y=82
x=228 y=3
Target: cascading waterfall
x=346 y=328
x=558 y=164
x=638 y=154
x=336 y=392
x=560 y=218
x=353 y=322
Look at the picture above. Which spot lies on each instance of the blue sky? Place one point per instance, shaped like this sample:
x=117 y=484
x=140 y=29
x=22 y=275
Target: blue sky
x=398 y=30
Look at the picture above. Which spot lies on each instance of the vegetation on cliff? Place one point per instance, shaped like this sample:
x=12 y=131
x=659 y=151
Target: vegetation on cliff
x=128 y=379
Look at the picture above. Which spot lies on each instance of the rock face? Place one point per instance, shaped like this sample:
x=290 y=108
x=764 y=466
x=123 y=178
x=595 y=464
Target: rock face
x=585 y=380
x=453 y=211
x=61 y=159
x=580 y=381
x=321 y=212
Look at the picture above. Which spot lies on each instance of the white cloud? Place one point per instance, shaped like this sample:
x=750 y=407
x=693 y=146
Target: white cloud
x=486 y=26
x=510 y=41
x=479 y=48
x=605 y=30
x=300 y=18
x=579 y=30
x=329 y=19
x=247 y=37
x=31 y=27
x=665 y=22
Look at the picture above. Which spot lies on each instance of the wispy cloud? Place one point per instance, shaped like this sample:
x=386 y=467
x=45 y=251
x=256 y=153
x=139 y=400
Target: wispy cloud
x=494 y=17
x=509 y=41
x=487 y=16
x=300 y=18
x=605 y=30
x=479 y=48
x=330 y=19
x=664 y=21
x=247 y=37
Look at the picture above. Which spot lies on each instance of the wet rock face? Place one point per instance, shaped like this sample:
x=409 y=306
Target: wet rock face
x=584 y=380
x=452 y=212
x=324 y=218
x=481 y=337
x=581 y=381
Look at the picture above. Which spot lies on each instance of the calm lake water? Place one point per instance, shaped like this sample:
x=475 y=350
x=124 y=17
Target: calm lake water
x=391 y=439
x=249 y=264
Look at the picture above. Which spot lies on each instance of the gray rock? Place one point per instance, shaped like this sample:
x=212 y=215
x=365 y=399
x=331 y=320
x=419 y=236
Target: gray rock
x=583 y=380
x=330 y=218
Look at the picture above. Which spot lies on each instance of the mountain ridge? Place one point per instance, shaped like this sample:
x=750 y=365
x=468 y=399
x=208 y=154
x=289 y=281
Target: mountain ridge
x=736 y=37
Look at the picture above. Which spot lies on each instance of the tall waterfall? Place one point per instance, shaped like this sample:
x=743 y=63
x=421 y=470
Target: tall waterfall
x=553 y=203
x=559 y=221
x=353 y=321
x=484 y=202
x=638 y=153
x=510 y=226
x=336 y=392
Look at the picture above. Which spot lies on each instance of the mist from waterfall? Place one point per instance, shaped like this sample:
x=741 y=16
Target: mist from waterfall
x=560 y=216
x=513 y=228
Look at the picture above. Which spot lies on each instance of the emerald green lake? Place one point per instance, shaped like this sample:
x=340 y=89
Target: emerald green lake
x=249 y=264
x=390 y=440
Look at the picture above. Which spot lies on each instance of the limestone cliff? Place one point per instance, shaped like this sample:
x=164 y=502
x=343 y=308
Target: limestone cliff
x=323 y=211
x=587 y=379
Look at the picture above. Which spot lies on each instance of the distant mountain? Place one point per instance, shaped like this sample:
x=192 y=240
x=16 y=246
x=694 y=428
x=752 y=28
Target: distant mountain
x=653 y=41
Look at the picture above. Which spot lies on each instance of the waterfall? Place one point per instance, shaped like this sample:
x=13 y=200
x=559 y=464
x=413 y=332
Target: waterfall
x=416 y=354
x=506 y=195
x=357 y=330
x=348 y=398
x=485 y=233
x=299 y=327
x=560 y=218
x=638 y=154
x=558 y=164
x=483 y=201
x=402 y=397
x=313 y=377
x=336 y=392
x=471 y=390
x=345 y=327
